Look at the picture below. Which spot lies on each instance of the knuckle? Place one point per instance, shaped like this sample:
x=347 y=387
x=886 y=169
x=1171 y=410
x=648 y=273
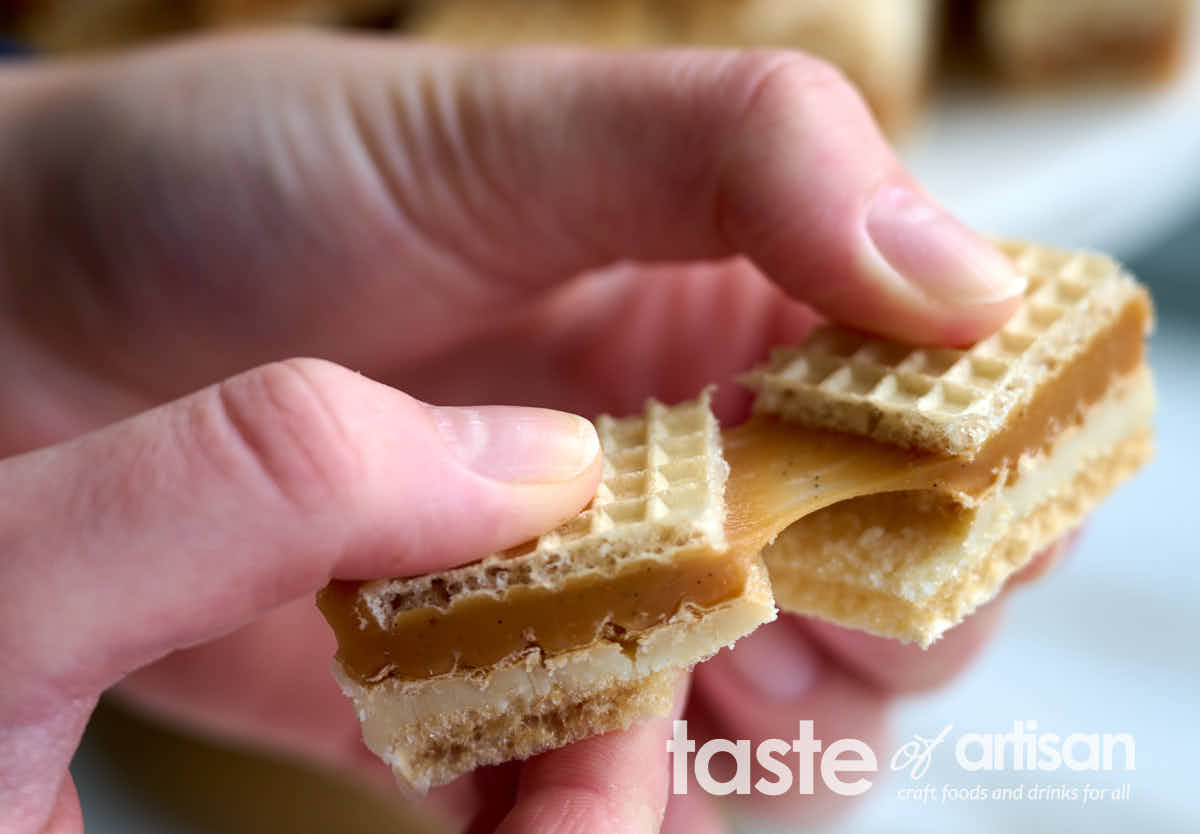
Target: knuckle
x=287 y=422
x=790 y=112
x=786 y=83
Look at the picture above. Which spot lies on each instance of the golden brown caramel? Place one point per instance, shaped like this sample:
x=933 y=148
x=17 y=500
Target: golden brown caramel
x=480 y=630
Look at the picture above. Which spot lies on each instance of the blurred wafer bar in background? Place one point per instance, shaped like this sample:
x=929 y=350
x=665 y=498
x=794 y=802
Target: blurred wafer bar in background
x=341 y=12
x=83 y=25
x=74 y=26
x=885 y=46
x=499 y=22
x=1033 y=41
x=891 y=49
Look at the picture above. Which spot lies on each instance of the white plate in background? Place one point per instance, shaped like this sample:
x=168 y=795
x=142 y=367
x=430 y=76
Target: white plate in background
x=1111 y=168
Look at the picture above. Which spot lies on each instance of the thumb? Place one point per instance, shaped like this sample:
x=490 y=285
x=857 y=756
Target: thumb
x=187 y=521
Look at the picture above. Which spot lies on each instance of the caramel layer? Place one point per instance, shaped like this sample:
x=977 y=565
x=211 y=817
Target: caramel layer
x=778 y=473
x=481 y=630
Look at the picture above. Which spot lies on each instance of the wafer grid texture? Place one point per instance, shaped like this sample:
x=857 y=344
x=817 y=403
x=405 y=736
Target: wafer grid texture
x=661 y=493
x=952 y=399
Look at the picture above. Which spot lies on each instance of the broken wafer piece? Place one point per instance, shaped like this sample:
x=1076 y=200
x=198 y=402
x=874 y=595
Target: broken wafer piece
x=578 y=633
x=1012 y=441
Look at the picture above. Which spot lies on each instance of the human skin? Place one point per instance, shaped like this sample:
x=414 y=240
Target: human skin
x=551 y=228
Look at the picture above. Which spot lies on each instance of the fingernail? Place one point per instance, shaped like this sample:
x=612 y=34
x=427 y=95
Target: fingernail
x=915 y=241
x=519 y=445
x=777 y=662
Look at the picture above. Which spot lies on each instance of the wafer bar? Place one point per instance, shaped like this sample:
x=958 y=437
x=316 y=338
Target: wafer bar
x=1013 y=440
x=578 y=633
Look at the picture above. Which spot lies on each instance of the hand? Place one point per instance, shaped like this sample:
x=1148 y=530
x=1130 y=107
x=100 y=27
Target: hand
x=543 y=227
